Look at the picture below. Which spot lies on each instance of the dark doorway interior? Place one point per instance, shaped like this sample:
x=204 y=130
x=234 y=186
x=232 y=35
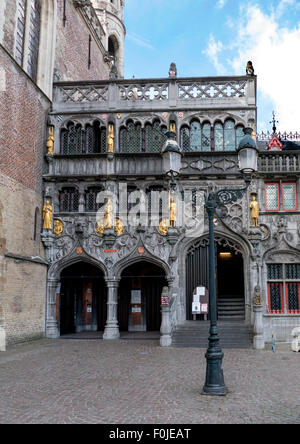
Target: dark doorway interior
x=147 y=280
x=82 y=299
x=230 y=274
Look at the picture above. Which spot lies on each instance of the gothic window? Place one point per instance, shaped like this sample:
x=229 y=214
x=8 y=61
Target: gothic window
x=135 y=139
x=219 y=137
x=206 y=138
x=229 y=136
x=20 y=32
x=34 y=38
x=185 y=138
x=71 y=139
x=195 y=144
x=91 y=204
x=76 y=140
x=131 y=138
x=69 y=200
x=155 y=136
x=284 y=288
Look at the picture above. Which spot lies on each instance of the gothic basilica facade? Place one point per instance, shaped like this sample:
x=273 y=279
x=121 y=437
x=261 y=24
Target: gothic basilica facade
x=101 y=238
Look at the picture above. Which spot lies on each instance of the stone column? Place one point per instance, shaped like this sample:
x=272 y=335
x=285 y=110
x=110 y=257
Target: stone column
x=112 y=328
x=258 y=329
x=166 y=327
x=52 y=330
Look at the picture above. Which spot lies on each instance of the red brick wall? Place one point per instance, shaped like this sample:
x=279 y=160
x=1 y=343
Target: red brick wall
x=72 y=48
x=22 y=126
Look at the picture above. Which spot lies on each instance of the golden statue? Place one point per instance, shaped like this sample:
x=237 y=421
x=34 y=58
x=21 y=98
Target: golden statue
x=50 y=141
x=108 y=215
x=47 y=216
x=254 y=207
x=110 y=138
x=172 y=209
x=100 y=228
x=164 y=227
x=173 y=127
x=58 y=227
x=119 y=227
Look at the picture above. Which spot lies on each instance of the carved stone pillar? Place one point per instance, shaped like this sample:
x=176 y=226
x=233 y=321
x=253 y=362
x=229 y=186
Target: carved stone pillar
x=112 y=328
x=166 y=326
x=52 y=330
x=258 y=329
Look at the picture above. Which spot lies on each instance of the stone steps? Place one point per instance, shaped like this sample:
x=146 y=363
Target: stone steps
x=232 y=334
x=233 y=308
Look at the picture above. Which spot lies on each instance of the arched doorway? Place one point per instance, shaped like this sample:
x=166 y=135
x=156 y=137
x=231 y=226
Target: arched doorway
x=82 y=299
x=139 y=298
x=229 y=277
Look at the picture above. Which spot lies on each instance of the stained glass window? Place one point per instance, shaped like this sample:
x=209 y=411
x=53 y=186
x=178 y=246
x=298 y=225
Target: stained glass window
x=195 y=142
x=219 y=137
x=229 y=136
x=272 y=196
x=91 y=204
x=275 y=271
x=289 y=201
x=206 y=139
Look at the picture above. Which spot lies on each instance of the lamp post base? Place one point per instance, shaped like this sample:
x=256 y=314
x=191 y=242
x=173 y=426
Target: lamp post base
x=214 y=382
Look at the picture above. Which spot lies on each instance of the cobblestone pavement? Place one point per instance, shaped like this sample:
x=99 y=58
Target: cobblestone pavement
x=138 y=382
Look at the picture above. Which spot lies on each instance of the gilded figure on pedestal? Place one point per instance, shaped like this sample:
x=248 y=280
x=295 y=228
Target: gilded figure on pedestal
x=47 y=216
x=254 y=207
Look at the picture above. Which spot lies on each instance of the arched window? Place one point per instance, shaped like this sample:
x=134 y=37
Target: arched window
x=229 y=136
x=94 y=139
x=206 y=137
x=185 y=138
x=219 y=137
x=131 y=138
x=71 y=139
x=69 y=200
x=76 y=140
x=195 y=138
x=155 y=136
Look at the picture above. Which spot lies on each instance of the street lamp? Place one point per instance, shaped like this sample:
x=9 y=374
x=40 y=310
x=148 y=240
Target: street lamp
x=247 y=156
x=171 y=156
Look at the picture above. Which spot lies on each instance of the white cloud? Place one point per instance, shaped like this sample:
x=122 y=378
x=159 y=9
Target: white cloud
x=214 y=48
x=221 y=4
x=273 y=50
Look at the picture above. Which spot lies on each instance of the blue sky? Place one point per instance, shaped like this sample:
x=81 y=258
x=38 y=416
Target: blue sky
x=217 y=37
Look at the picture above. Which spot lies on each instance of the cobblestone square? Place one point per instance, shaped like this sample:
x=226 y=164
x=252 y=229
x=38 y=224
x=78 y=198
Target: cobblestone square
x=137 y=382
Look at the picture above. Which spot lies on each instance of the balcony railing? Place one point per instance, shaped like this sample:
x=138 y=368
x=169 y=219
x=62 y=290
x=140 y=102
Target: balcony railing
x=107 y=96
x=208 y=163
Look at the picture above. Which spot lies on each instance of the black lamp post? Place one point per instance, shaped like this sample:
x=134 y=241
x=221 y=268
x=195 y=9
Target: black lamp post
x=248 y=154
